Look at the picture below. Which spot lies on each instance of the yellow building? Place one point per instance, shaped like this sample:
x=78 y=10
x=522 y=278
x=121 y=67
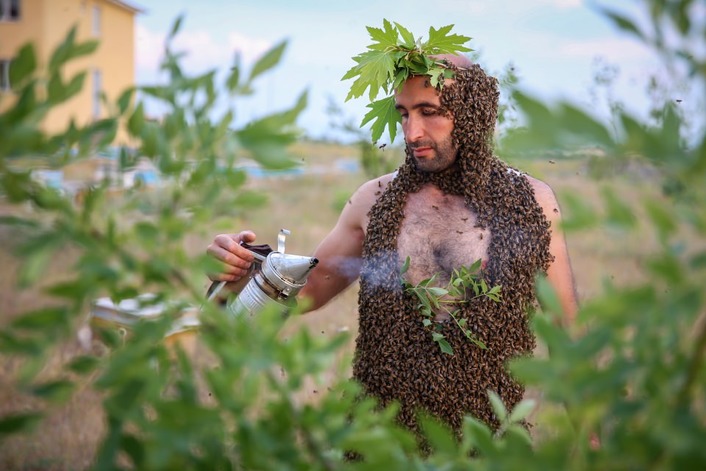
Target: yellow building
x=110 y=69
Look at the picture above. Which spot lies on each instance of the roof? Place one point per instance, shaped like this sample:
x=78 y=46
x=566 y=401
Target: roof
x=132 y=8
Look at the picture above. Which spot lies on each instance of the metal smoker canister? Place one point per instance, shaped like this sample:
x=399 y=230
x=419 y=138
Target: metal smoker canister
x=278 y=280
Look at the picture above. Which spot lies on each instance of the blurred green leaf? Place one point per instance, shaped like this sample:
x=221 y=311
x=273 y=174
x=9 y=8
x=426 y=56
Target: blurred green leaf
x=18 y=423
x=498 y=405
x=270 y=59
x=23 y=65
x=84 y=364
x=57 y=391
x=46 y=319
x=622 y=22
x=662 y=219
x=522 y=411
x=439 y=435
x=618 y=214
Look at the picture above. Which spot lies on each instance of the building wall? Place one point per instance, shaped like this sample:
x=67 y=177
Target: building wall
x=13 y=34
x=48 y=21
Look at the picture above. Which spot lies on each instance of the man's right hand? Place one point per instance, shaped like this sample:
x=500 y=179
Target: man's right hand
x=236 y=259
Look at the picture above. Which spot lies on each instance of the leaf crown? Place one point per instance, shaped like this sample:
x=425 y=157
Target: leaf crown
x=394 y=56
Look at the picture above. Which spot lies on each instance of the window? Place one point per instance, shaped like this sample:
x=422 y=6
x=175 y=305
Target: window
x=5 y=75
x=97 y=91
x=9 y=10
x=96 y=20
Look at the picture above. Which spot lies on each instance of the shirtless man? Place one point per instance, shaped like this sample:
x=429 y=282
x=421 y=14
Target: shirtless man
x=451 y=203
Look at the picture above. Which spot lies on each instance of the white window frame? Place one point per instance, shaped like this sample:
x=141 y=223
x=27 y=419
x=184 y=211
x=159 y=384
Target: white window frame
x=6 y=10
x=96 y=17
x=97 y=77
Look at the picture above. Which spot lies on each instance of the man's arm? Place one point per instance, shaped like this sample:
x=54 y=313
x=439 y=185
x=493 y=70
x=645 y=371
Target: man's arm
x=559 y=273
x=339 y=254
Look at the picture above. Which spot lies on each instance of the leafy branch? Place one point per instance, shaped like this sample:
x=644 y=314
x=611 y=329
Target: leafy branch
x=393 y=57
x=465 y=285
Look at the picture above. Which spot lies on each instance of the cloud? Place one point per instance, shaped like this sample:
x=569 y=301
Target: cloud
x=564 y=3
x=149 y=48
x=203 y=51
x=248 y=48
x=612 y=49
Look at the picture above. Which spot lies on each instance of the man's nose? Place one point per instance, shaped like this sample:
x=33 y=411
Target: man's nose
x=413 y=130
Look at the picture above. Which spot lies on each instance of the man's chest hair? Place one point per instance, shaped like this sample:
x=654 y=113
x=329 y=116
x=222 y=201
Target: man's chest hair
x=439 y=234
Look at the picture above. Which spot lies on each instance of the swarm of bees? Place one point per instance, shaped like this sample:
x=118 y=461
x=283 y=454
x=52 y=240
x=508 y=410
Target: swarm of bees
x=396 y=358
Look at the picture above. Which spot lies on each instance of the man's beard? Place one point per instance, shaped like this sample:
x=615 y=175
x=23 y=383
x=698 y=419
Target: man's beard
x=444 y=155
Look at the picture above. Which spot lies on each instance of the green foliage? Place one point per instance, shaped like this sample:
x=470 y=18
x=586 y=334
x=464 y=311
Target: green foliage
x=626 y=390
x=465 y=284
x=394 y=56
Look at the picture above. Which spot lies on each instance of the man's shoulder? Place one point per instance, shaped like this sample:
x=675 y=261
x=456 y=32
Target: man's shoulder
x=376 y=186
x=545 y=196
x=542 y=190
x=365 y=197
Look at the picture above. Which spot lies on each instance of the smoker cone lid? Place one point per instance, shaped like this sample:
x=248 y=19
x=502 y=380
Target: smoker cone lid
x=291 y=270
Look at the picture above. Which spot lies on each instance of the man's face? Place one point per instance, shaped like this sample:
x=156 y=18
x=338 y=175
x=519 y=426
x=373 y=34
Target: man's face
x=426 y=129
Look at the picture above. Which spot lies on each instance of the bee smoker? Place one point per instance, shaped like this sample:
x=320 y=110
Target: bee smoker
x=273 y=277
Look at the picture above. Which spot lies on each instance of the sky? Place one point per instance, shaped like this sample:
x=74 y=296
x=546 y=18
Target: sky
x=554 y=46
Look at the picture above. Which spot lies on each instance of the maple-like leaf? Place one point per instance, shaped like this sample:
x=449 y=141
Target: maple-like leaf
x=386 y=37
x=374 y=71
x=391 y=59
x=384 y=113
x=441 y=42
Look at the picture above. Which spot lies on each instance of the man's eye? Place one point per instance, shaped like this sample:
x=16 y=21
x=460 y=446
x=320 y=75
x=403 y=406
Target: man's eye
x=428 y=111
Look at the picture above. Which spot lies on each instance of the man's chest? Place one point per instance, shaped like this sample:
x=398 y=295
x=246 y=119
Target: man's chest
x=439 y=233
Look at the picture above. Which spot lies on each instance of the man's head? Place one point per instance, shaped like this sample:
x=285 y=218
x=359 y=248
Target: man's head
x=426 y=124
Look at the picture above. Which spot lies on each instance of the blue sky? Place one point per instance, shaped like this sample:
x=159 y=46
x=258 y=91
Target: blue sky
x=553 y=44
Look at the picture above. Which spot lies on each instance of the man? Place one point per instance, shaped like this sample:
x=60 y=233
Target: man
x=450 y=204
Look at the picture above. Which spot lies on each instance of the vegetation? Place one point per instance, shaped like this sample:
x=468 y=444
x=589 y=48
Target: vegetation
x=465 y=284
x=394 y=56
x=626 y=390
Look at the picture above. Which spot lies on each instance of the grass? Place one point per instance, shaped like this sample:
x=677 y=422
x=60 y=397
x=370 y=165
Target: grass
x=308 y=206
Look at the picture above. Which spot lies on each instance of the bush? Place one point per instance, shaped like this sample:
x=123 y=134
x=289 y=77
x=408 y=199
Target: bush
x=625 y=392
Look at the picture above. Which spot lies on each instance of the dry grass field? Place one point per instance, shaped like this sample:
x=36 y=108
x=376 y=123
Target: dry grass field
x=307 y=206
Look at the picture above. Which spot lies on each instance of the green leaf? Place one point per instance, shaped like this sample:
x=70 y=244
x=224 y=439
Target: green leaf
x=18 y=423
x=407 y=37
x=441 y=42
x=58 y=391
x=176 y=26
x=384 y=38
x=662 y=218
x=439 y=435
x=23 y=65
x=384 y=114
x=438 y=292
x=50 y=318
x=375 y=69
x=478 y=434
x=405 y=265
x=522 y=410
x=84 y=364
x=35 y=265
x=548 y=298
x=622 y=22
x=233 y=79
x=618 y=213
x=125 y=100
x=498 y=405
x=270 y=59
